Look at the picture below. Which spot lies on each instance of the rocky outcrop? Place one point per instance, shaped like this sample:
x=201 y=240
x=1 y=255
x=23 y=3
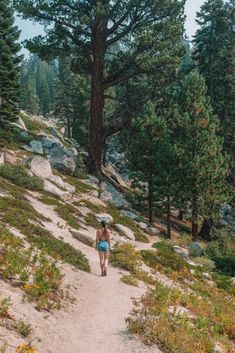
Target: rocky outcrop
x=152 y=231
x=113 y=174
x=104 y=217
x=56 y=179
x=227 y=213
x=124 y=231
x=195 y=249
x=181 y=251
x=20 y=124
x=130 y=215
x=111 y=195
x=54 y=190
x=64 y=164
x=83 y=237
x=36 y=146
x=39 y=166
x=2 y=158
x=61 y=158
x=143 y=226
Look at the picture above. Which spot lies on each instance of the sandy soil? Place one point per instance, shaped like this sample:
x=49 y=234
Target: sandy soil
x=95 y=323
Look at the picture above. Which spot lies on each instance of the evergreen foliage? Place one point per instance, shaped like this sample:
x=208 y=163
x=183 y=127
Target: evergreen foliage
x=214 y=55
x=9 y=69
x=110 y=41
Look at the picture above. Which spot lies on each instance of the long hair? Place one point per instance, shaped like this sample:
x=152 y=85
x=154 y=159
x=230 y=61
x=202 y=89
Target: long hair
x=105 y=229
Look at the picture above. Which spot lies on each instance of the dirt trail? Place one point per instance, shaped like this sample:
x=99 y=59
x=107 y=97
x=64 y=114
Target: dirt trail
x=95 y=323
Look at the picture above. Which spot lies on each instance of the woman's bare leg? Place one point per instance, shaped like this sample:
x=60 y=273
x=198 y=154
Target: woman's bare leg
x=106 y=257
x=101 y=255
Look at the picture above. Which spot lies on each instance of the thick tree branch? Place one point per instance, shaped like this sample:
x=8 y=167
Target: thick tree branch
x=114 y=80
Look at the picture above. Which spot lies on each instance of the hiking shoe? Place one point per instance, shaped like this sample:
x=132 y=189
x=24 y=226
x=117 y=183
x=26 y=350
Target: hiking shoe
x=105 y=272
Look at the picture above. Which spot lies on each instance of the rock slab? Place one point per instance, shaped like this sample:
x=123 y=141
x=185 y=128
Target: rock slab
x=125 y=231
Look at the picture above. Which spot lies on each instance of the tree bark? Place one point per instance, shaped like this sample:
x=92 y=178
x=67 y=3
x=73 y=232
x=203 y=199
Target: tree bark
x=181 y=215
x=205 y=230
x=96 y=137
x=168 y=216
x=150 y=198
x=194 y=222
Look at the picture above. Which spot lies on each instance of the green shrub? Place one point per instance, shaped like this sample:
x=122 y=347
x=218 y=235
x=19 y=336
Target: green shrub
x=24 y=328
x=165 y=257
x=5 y=304
x=130 y=280
x=211 y=322
x=221 y=250
x=124 y=256
x=18 y=175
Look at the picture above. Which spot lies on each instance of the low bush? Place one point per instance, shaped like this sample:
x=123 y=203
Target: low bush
x=125 y=257
x=221 y=250
x=208 y=322
x=24 y=328
x=130 y=280
x=18 y=175
x=5 y=304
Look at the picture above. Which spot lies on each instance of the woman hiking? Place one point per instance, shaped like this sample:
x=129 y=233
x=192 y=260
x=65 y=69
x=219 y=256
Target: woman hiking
x=103 y=246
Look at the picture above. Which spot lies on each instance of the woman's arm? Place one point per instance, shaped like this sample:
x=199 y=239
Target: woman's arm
x=97 y=240
x=109 y=242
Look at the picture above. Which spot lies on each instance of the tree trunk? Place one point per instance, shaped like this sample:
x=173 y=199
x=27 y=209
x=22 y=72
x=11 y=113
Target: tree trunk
x=96 y=131
x=168 y=216
x=104 y=153
x=205 y=230
x=181 y=215
x=194 y=224
x=150 y=198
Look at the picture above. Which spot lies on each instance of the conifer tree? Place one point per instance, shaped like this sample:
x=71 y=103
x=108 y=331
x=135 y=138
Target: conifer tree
x=9 y=69
x=112 y=41
x=203 y=164
x=214 y=55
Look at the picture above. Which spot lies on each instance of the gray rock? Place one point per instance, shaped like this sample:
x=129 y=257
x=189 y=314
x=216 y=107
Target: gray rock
x=230 y=220
x=48 y=141
x=142 y=225
x=54 y=190
x=28 y=148
x=22 y=124
x=225 y=210
x=207 y=276
x=63 y=164
x=24 y=134
x=39 y=166
x=124 y=231
x=2 y=158
x=152 y=231
x=233 y=281
x=73 y=152
x=104 y=217
x=36 y=146
x=195 y=249
x=129 y=214
x=56 y=179
x=83 y=237
x=113 y=196
x=180 y=251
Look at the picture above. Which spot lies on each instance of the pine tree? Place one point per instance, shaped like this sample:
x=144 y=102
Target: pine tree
x=9 y=69
x=29 y=100
x=203 y=162
x=214 y=55
x=110 y=41
x=71 y=101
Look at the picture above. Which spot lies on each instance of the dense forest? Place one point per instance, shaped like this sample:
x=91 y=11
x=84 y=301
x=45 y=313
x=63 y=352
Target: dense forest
x=119 y=73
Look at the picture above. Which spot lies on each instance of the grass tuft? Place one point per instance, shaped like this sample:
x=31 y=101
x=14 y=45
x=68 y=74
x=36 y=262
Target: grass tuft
x=18 y=175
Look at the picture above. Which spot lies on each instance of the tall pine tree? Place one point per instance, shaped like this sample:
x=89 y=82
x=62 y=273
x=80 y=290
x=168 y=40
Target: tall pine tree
x=9 y=69
x=214 y=55
x=112 y=41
